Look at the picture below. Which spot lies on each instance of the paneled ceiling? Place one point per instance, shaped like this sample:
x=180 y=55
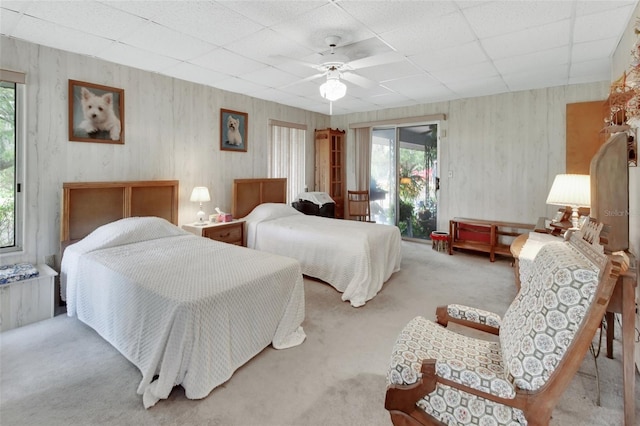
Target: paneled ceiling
x=400 y=52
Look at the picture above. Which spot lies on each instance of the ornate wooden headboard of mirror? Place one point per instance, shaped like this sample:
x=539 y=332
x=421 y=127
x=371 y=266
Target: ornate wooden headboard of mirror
x=89 y=205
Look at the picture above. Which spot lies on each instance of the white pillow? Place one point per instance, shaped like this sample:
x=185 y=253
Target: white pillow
x=129 y=230
x=268 y=211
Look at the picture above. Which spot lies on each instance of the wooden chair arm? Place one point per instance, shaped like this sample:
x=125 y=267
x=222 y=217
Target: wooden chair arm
x=443 y=318
x=403 y=398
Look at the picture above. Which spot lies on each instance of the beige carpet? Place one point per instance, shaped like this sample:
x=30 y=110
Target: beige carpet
x=60 y=372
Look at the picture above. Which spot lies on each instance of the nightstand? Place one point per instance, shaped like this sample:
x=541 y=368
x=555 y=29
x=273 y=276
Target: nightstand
x=227 y=232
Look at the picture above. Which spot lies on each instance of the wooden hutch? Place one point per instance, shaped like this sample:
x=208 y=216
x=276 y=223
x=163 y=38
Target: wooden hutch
x=330 y=166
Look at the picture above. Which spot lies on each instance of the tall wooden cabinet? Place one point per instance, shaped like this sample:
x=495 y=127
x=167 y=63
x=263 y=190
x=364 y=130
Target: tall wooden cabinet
x=330 y=166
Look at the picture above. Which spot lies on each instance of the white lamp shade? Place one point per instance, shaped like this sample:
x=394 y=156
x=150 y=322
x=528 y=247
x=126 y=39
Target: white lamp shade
x=570 y=190
x=200 y=194
x=333 y=89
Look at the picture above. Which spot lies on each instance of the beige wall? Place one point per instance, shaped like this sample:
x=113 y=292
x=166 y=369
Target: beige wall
x=503 y=150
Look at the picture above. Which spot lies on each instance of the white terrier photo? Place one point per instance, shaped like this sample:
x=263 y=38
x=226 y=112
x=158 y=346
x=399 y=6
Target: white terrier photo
x=233 y=131
x=99 y=114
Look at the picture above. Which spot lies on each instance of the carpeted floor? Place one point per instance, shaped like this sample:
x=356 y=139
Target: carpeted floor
x=60 y=372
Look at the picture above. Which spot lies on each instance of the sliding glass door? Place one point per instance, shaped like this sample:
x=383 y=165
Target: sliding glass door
x=404 y=178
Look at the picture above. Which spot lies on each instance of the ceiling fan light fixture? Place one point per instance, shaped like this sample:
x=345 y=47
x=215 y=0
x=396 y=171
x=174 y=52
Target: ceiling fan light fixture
x=333 y=89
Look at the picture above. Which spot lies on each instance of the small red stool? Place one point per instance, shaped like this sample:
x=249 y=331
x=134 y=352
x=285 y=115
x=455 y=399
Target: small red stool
x=440 y=241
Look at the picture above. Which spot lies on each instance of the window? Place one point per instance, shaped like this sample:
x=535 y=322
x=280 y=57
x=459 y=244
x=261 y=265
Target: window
x=11 y=132
x=287 y=156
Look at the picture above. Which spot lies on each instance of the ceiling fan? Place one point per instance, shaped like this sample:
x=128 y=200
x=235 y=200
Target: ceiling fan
x=338 y=67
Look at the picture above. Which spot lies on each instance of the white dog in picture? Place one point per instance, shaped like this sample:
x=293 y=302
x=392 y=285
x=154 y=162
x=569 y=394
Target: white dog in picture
x=234 y=137
x=99 y=114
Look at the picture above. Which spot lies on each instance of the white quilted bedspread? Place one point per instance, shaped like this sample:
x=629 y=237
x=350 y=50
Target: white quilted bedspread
x=184 y=309
x=356 y=258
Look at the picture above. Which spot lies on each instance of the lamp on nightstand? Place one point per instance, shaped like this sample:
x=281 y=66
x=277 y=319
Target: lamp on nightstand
x=200 y=194
x=573 y=191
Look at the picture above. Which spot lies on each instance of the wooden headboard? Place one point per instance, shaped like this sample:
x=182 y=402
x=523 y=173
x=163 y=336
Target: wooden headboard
x=248 y=193
x=89 y=205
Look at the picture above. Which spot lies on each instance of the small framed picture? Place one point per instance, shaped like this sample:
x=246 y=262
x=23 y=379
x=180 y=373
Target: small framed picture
x=233 y=130
x=96 y=113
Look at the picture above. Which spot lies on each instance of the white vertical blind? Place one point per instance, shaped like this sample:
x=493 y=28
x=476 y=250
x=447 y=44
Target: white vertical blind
x=287 y=156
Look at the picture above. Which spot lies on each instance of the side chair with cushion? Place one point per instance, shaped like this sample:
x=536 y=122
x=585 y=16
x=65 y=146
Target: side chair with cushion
x=438 y=376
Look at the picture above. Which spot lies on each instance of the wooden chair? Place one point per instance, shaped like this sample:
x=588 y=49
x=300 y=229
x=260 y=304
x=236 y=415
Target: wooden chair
x=359 y=207
x=438 y=376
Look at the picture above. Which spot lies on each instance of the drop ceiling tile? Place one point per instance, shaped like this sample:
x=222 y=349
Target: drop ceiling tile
x=480 y=87
x=210 y=22
x=145 y=9
x=538 y=78
x=137 y=58
x=165 y=41
x=270 y=13
x=503 y=17
x=269 y=47
x=455 y=56
x=590 y=27
x=59 y=37
x=469 y=73
x=597 y=69
x=530 y=40
x=598 y=49
x=447 y=31
x=190 y=72
x=8 y=21
x=269 y=77
x=389 y=71
x=533 y=61
x=312 y=28
x=224 y=61
x=385 y=16
x=19 y=6
x=591 y=7
x=87 y=16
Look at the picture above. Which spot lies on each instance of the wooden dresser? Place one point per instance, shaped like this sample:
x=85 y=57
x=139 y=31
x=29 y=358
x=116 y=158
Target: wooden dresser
x=330 y=166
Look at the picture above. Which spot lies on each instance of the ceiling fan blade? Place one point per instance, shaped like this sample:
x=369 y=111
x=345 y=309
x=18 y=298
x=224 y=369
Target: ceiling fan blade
x=372 y=61
x=312 y=77
x=282 y=58
x=359 y=80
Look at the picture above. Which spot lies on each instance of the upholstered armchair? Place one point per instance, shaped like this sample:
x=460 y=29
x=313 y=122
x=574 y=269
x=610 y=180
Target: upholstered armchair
x=439 y=376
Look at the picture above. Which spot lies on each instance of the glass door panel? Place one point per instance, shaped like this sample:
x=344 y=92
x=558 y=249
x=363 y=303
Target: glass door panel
x=382 y=191
x=404 y=182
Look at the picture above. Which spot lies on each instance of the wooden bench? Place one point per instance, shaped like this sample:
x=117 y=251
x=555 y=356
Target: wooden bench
x=488 y=236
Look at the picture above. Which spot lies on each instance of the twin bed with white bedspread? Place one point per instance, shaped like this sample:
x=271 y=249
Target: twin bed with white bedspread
x=356 y=258
x=184 y=309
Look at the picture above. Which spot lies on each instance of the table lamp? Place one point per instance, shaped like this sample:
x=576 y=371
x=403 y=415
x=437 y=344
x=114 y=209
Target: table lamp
x=573 y=191
x=200 y=194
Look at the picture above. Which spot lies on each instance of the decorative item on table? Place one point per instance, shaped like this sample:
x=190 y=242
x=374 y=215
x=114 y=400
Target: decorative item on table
x=200 y=194
x=573 y=191
x=222 y=216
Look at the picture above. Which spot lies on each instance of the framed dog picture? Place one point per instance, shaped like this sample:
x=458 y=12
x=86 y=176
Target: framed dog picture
x=233 y=130
x=96 y=113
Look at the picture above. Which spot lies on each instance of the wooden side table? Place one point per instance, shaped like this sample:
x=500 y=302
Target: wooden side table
x=226 y=232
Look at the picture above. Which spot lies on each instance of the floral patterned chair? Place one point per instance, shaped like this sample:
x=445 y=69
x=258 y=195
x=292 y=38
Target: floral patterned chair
x=438 y=376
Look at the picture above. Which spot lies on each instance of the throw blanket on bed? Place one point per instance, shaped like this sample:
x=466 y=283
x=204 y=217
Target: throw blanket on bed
x=354 y=257
x=186 y=309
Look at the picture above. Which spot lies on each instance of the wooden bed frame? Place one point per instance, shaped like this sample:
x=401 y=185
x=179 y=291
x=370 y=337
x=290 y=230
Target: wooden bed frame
x=89 y=205
x=248 y=193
